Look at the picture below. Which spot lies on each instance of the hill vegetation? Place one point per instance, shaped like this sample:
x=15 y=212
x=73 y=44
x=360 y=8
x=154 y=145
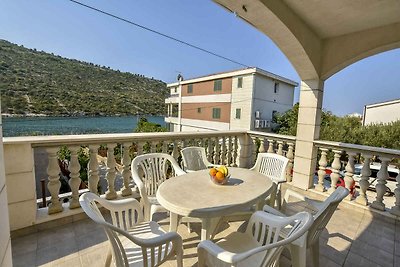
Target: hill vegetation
x=34 y=82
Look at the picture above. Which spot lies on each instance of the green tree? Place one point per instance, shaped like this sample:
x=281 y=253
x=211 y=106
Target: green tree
x=145 y=126
x=344 y=129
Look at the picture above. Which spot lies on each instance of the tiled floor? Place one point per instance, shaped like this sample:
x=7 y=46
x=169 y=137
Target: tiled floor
x=352 y=238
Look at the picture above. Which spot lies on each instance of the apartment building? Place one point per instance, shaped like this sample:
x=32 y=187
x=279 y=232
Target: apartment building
x=244 y=99
x=383 y=112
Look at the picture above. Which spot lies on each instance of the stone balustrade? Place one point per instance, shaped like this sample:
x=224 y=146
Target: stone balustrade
x=112 y=177
x=283 y=145
x=226 y=148
x=341 y=158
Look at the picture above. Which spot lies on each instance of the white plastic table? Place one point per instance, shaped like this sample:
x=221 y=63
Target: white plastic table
x=195 y=195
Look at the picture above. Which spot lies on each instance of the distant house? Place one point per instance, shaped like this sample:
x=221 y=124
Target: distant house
x=383 y=112
x=244 y=99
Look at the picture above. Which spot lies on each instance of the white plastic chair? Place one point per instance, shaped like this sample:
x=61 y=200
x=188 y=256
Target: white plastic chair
x=260 y=245
x=323 y=213
x=133 y=242
x=195 y=159
x=274 y=166
x=148 y=172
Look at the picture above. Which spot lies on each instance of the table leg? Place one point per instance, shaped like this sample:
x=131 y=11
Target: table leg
x=173 y=222
x=208 y=226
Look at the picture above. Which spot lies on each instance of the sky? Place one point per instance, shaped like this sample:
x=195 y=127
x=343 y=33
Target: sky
x=69 y=30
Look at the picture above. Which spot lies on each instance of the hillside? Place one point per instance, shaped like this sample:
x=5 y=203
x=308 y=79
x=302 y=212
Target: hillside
x=33 y=82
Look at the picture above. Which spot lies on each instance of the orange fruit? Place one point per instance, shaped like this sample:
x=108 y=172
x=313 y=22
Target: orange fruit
x=213 y=171
x=219 y=176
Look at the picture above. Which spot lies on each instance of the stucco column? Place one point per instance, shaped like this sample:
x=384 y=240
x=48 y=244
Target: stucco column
x=308 y=127
x=5 y=240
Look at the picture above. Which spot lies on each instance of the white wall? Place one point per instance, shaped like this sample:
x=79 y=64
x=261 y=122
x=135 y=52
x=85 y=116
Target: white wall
x=242 y=98
x=266 y=101
x=382 y=113
x=189 y=125
x=5 y=241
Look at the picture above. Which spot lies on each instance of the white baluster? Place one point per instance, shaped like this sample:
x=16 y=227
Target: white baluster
x=140 y=148
x=223 y=151
x=203 y=142
x=280 y=148
x=254 y=151
x=153 y=146
x=381 y=188
x=321 y=172
x=54 y=184
x=230 y=151
x=210 y=150
x=75 y=180
x=348 y=178
x=262 y=145
x=395 y=210
x=364 y=184
x=110 y=176
x=165 y=147
x=270 y=146
x=235 y=151
x=290 y=156
x=126 y=173
x=217 y=151
x=175 y=151
x=93 y=172
x=336 y=165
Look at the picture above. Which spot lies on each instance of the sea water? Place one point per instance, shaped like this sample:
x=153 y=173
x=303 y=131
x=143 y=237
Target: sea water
x=19 y=126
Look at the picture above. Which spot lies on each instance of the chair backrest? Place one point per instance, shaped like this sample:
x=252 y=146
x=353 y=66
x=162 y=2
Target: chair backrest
x=124 y=213
x=266 y=230
x=194 y=158
x=324 y=214
x=150 y=170
x=272 y=165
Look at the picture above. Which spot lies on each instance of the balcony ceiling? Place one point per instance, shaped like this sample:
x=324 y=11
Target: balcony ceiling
x=322 y=37
x=333 y=18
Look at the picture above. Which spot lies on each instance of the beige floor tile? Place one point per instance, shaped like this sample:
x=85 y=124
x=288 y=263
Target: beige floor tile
x=25 y=244
x=353 y=260
x=24 y=259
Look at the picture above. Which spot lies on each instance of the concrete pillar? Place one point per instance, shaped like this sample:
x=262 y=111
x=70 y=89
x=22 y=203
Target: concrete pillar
x=5 y=240
x=308 y=127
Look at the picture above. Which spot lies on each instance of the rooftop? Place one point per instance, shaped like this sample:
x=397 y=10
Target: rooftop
x=233 y=73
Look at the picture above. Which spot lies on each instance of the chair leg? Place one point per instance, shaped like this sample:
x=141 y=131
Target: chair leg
x=179 y=257
x=108 y=259
x=314 y=249
x=278 y=198
x=298 y=255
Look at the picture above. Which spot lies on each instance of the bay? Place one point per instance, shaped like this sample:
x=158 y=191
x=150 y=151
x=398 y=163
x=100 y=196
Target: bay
x=23 y=126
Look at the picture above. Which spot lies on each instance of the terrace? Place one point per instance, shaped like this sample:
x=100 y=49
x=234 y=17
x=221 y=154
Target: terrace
x=320 y=39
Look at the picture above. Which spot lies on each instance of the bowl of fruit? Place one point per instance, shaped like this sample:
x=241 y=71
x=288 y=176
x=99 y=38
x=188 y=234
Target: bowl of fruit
x=219 y=175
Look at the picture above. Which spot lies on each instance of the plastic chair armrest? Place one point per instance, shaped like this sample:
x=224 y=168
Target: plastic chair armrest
x=159 y=240
x=216 y=251
x=273 y=211
x=291 y=193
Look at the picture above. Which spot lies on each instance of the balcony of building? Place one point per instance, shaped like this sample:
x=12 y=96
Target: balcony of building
x=364 y=229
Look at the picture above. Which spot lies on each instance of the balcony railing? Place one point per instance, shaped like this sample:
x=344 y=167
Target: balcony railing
x=232 y=148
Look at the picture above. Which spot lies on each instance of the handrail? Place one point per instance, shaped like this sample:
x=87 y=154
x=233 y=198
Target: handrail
x=357 y=148
x=57 y=140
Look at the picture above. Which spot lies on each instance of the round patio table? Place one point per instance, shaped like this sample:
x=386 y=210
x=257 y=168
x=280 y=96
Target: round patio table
x=195 y=195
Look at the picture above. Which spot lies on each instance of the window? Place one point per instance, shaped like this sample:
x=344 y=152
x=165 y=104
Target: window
x=198 y=110
x=240 y=82
x=190 y=88
x=238 y=113
x=276 y=88
x=216 y=113
x=217 y=85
